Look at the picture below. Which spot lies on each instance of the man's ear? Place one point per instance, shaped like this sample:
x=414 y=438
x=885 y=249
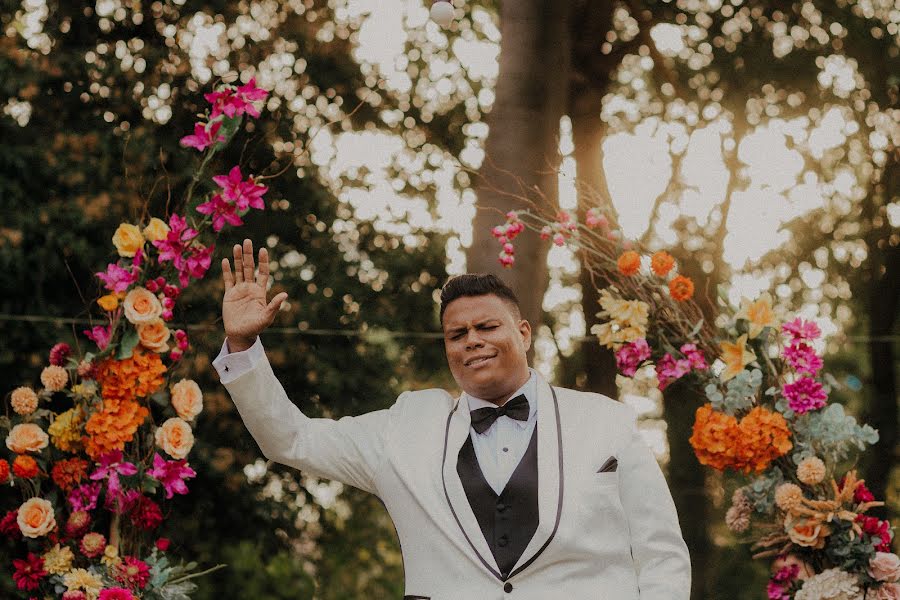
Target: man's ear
x=525 y=330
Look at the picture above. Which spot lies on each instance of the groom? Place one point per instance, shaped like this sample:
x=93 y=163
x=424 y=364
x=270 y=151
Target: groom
x=516 y=489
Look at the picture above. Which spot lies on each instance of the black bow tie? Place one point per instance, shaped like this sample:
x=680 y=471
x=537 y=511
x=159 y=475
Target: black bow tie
x=517 y=408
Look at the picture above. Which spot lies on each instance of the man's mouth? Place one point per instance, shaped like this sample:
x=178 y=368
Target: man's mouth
x=478 y=360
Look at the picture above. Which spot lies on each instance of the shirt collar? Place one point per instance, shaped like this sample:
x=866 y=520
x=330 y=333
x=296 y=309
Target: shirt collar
x=530 y=391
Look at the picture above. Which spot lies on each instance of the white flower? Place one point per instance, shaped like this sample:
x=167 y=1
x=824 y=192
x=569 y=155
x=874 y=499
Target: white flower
x=832 y=584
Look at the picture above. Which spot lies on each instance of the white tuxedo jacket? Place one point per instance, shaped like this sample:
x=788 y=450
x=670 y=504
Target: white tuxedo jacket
x=605 y=536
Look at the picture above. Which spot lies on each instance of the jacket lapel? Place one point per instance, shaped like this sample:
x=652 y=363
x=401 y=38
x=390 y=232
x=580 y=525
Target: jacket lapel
x=550 y=475
x=457 y=430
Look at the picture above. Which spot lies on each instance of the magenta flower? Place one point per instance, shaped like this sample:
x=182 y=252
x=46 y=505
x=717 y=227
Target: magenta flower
x=171 y=474
x=803 y=358
x=110 y=467
x=118 y=279
x=29 y=572
x=84 y=497
x=630 y=356
x=694 y=356
x=804 y=395
x=243 y=194
x=224 y=213
x=799 y=329
x=100 y=335
x=196 y=264
x=116 y=593
x=204 y=136
x=669 y=370
x=235 y=102
x=59 y=353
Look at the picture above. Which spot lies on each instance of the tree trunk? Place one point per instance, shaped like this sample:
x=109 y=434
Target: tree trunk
x=522 y=148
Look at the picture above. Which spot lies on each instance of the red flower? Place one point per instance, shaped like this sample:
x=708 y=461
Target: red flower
x=862 y=494
x=59 y=353
x=29 y=572
x=116 y=594
x=146 y=514
x=25 y=467
x=4 y=471
x=132 y=572
x=9 y=526
x=162 y=544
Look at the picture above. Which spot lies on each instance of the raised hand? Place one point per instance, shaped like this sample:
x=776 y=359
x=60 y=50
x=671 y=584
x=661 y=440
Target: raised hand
x=245 y=312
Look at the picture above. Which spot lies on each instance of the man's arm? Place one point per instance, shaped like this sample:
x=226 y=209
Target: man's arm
x=348 y=450
x=660 y=555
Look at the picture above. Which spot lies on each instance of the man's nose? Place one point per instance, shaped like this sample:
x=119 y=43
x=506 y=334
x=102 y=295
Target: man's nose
x=473 y=340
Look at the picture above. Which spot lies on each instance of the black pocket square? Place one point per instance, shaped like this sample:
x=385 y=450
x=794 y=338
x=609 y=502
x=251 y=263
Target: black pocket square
x=609 y=466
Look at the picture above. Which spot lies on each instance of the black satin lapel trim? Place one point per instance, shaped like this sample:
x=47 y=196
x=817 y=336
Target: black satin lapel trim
x=487 y=566
x=527 y=563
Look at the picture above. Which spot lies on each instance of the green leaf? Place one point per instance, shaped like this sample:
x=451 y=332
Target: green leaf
x=126 y=346
x=696 y=328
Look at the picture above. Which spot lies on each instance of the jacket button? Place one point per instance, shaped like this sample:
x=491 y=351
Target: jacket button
x=502 y=541
x=507 y=587
x=501 y=507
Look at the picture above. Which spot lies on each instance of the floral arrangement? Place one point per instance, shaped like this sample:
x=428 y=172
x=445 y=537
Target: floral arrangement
x=91 y=464
x=767 y=416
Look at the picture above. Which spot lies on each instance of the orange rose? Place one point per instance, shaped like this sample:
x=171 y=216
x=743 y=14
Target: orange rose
x=629 y=262
x=175 y=437
x=154 y=335
x=681 y=288
x=25 y=467
x=187 y=399
x=662 y=262
x=26 y=437
x=36 y=518
x=109 y=302
x=128 y=239
x=142 y=306
x=806 y=531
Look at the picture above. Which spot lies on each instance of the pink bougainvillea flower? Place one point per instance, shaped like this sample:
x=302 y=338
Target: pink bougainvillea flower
x=630 y=356
x=29 y=572
x=204 y=136
x=804 y=395
x=694 y=356
x=171 y=474
x=84 y=497
x=803 y=358
x=235 y=102
x=245 y=194
x=172 y=248
x=110 y=467
x=799 y=329
x=669 y=370
x=196 y=264
x=100 y=335
x=118 y=279
x=223 y=213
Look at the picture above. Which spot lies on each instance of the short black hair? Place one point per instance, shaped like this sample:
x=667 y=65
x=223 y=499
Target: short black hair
x=476 y=284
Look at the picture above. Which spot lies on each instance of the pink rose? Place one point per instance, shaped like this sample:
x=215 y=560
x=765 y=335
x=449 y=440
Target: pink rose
x=889 y=591
x=885 y=566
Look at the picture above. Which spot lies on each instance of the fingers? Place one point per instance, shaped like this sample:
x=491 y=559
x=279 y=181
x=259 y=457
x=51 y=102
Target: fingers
x=227 y=277
x=262 y=275
x=276 y=303
x=238 y=254
x=248 y=261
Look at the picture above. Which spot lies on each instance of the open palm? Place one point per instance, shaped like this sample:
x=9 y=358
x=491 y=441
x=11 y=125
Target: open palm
x=245 y=312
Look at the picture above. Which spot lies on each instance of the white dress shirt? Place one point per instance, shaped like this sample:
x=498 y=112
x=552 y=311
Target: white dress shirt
x=498 y=450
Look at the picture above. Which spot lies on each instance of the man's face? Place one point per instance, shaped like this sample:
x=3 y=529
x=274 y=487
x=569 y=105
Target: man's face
x=486 y=344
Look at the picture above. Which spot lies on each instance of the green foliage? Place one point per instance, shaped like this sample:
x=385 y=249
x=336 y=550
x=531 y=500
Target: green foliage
x=830 y=433
x=740 y=392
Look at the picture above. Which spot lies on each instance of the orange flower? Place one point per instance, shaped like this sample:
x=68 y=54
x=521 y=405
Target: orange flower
x=26 y=437
x=154 y=335
x=69 y=473
x=175 y=437
x=141 y=306
x=113 y=427
x=109 y=302
x=25 y=467
x=131 y=378
x=681 y=288
x=720 y=441
x=36 y=518
x=662 y=262
x=4 y=471
x=629 y=262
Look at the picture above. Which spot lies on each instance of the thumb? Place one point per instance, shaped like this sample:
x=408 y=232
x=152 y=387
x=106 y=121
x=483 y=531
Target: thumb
x=276 y=303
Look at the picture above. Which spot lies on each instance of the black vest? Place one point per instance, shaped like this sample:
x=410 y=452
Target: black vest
x=508 y=521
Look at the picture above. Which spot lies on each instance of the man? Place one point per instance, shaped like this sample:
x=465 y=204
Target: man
x=516 y=489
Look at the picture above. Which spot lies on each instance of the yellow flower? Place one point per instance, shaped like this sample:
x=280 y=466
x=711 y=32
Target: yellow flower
x=108 y=302
x=65 y=431
x=84 y=580
x=156 y=230
x=128 y=239
x=735 y=356
x=58 y=560
x=759 y=312
x=110 y=556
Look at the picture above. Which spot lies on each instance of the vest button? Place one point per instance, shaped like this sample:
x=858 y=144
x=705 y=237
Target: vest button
x=507 y=587
x=501 y=507
x=502 y=541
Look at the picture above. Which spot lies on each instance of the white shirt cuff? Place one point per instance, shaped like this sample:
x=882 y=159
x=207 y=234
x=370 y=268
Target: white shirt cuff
x=232 y=365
